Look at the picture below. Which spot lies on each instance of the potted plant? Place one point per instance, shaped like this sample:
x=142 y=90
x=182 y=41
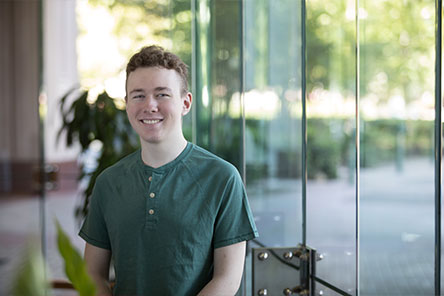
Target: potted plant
x=97 y=122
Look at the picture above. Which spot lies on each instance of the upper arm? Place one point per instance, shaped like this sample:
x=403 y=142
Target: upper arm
x=97 y=260
x=229 y=262
x=234 y=220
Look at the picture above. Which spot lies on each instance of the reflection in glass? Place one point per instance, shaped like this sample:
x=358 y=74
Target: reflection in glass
x=331 y=186
x=272 y=101
x=397 y=181
x=218 y=79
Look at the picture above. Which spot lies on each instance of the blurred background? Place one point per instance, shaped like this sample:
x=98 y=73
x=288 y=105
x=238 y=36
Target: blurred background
x=274 y=83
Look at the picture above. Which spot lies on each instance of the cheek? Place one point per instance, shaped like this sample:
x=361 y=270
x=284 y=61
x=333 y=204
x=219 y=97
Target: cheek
x=131 y=114
x=170 y=108
x=128 y=112
x=131 y=110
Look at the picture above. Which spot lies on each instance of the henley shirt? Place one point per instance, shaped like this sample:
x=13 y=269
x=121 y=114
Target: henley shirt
x=163 y=224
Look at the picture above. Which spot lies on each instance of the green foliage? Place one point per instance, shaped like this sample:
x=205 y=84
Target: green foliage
x=396 y=47
x=323 y=148
x=31 y=279
x=386 y=140
x=331 y=145
x=75 y=267
x=168 y=22
x=99 y=121
x=398 y=42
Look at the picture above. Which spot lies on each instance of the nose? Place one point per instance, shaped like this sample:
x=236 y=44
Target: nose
x=150 y=105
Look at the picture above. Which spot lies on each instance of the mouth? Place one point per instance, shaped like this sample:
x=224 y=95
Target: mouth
x=150 y=121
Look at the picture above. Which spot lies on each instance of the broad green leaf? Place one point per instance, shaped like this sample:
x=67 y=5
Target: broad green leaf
x=75 y=266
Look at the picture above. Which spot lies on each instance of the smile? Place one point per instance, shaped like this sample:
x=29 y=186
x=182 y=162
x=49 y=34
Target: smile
x=150 y=121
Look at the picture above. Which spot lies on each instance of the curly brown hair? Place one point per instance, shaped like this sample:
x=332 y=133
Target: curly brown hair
x=156 y=56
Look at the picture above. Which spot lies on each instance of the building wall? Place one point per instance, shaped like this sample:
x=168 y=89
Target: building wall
x=60 y=75
x=60 y=72
x=19 y=90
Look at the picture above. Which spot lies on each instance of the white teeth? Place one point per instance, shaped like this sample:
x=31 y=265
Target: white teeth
x=150 y=121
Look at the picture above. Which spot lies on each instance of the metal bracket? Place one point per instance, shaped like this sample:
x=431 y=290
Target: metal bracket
x=284 y=271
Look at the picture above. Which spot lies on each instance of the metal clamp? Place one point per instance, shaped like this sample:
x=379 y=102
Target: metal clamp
x=288 y=255
x=262 y=292
x=283 y=271
x=262 y=256
x=296 y=290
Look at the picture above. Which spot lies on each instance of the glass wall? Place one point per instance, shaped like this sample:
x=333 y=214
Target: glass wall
x=272 y=100
x=272 y=114
x=397 y=61
x=248 y=84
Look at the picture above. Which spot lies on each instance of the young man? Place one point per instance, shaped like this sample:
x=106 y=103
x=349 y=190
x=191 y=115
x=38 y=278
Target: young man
x=173 y=216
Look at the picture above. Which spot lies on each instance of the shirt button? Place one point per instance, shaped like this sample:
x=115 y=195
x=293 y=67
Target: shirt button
x=150 y=178
x=152 y=194
x=151 y=211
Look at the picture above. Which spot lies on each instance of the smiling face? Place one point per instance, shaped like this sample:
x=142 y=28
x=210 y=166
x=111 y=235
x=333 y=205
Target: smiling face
x=155 y=104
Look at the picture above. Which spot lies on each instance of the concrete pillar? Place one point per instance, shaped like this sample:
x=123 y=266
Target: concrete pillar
x=19 y=91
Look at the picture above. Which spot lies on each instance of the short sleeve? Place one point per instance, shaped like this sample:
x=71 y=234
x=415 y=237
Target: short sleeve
x=234 y=221
x=94 y=230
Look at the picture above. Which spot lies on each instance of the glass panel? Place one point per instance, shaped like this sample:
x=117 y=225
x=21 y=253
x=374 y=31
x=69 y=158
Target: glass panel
x=397 y=127
x=331 y=186
x=218 y=75
x=218 y=78
x=272 y=101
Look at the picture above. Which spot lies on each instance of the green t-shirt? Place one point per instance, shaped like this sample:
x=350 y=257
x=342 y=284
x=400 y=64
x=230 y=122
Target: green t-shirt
x=162 y=224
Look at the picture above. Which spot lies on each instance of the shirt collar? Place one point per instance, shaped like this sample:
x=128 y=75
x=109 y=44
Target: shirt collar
x=166 y=167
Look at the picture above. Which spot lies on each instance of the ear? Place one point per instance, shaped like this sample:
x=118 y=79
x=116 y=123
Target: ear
x=187 y=102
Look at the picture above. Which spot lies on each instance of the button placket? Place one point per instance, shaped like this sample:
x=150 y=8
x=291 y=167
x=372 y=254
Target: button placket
x=152 y=194
x=151 y=200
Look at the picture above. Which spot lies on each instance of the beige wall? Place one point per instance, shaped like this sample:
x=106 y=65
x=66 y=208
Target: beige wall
x=60 y=71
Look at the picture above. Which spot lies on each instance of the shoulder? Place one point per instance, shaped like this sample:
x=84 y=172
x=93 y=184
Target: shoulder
x=121 y=168
x=201 y=159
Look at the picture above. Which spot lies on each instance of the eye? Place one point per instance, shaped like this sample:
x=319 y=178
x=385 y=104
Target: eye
x=163 y=95
x=138 y=96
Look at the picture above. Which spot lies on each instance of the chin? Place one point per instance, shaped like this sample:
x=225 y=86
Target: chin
x=151 y=140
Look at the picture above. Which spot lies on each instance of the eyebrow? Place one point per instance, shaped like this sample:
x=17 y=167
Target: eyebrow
x=161 y=88
x=136 y=90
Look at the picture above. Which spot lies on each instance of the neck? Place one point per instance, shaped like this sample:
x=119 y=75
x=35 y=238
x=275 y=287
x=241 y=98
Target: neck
x=158 y=154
